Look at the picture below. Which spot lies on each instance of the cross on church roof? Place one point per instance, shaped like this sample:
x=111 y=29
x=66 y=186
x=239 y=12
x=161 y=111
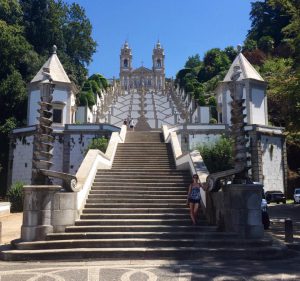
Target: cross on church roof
x=142 y=62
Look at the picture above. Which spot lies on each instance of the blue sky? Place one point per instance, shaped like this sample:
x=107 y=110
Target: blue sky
x=184 y=28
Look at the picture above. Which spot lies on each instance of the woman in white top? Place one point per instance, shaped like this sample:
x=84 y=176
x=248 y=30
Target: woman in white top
x=131 y=124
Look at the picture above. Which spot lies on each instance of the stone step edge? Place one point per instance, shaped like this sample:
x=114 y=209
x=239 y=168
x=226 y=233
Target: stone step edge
x=199 y=240
x=195 y=232
x=270 y=252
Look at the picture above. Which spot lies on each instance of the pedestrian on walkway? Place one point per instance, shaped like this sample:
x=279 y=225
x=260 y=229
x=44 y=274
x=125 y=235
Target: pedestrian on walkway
x=194 y=197
x=132 y=124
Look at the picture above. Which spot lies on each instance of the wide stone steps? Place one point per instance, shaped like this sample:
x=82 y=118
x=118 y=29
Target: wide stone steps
x=140 y=210
x=148 y=185
x=178 y=252
x=133 y=222
x=120 y=195
x=144 y=166
x=146 y=188
x=135 y=205
x=136 y=242
x=147 y=235
x=122 y=215
x=143 y=137
x=145 y=181
x=138 y=228
x=139 y=172
x=135 y=201
x=143 y=174
x=136 y=193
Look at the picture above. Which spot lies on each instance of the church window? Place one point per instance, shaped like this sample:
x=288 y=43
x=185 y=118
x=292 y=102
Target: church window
x=57 y=116
x=158 y=63
x=125 y=63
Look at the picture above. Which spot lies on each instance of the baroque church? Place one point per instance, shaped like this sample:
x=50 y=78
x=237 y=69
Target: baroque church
x=142 y=77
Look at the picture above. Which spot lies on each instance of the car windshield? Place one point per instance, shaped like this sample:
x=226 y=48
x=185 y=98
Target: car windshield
x=297 y=191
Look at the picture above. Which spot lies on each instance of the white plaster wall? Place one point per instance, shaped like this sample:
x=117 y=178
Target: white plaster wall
x=272 y=164
x=22 y=160
x=226 y=118
x=258 y=106
x=196 y=140
x=78 y=146
x=34 y=98
x=204 y=114
x=195 y=118
x=80 y=114
x=60 y=95
x=57 y=158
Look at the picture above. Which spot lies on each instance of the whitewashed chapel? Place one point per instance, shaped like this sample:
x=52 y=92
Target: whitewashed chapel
x=145 y=95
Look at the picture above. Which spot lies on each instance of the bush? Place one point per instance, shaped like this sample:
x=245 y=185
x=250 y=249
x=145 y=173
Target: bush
x=98 y=143
x=218 y=156
x=15 y=197
x=213 y=121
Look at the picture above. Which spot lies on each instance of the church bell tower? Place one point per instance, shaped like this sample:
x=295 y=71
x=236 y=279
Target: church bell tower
x=158 y=61
x=125 y=66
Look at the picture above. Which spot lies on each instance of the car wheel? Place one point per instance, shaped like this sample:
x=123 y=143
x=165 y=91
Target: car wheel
x=284 y=202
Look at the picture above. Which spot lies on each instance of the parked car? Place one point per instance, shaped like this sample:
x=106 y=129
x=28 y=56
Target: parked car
x=275 y=196
x=297 y=195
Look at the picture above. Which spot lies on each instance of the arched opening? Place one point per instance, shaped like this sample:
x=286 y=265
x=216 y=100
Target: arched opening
x=125 y=64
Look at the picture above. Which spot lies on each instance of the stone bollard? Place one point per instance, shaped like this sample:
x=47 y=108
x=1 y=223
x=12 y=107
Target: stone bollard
x=288 y=231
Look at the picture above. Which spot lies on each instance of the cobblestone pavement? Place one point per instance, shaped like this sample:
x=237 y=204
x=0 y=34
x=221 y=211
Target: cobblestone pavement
x=204 y=269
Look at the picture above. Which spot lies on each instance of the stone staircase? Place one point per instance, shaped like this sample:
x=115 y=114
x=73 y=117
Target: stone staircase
x=138 y=210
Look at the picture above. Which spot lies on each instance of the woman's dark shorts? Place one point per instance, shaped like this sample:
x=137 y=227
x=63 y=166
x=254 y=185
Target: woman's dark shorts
x=194 y=201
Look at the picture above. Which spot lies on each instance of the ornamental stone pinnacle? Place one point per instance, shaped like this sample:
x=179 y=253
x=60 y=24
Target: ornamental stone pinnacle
x=54 y=49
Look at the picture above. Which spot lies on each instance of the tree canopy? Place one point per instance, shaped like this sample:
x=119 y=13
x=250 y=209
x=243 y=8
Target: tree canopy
x=200 y=78
x=28 y=30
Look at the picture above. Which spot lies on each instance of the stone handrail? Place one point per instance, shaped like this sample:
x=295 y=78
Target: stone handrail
x=191 y=161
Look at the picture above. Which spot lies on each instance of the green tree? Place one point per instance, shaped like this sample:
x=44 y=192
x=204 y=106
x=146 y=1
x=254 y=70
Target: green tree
x=231 y=53
x=98 y=143
x=218 y=156
x=215 y=61
x=193 y=61
x=91 y=89
x=10 y=11
x=49 y=22
x=283 y=97
x=249 y=45
x=19 y=62
x=266 y=44
x=267 y=20
x=291 y=29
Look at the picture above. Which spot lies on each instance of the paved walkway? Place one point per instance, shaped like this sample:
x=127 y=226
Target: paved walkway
x=11 y=227
x=157 y=270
